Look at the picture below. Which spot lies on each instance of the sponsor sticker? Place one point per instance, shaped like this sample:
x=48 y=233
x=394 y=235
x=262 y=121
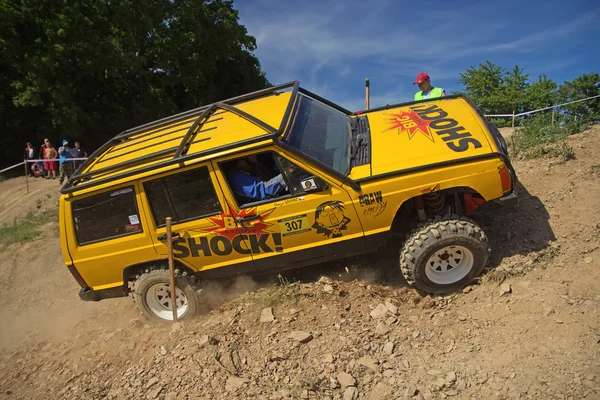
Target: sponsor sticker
x=293 y=225
x=309 y=184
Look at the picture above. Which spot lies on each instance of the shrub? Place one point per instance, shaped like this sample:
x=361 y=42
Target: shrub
x=537 y=137
x=501 y=122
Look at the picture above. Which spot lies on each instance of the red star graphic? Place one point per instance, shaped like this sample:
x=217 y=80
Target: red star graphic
x=409 y=121
x=226 y=223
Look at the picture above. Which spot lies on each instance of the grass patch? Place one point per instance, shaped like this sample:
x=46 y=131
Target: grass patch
x=26 y=228
x=2 y=178
x=284 y=292
x=538 y=138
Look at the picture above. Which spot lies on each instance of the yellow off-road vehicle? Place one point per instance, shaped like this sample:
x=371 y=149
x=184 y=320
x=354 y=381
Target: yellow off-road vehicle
x=279 y=179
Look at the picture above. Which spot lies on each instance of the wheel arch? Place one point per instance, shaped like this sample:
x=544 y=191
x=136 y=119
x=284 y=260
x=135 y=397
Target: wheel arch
x=131 y=271
x=406 y=217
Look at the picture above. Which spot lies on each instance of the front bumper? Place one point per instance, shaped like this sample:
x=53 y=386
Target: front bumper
x=89 y=294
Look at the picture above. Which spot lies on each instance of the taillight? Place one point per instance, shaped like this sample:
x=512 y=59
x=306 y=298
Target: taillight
x=505 y=179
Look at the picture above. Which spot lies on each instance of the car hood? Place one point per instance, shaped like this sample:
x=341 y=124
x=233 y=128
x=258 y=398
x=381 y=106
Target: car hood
x=426 y=133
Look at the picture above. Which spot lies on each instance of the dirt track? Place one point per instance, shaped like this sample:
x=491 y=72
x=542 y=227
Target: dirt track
x=536 y=336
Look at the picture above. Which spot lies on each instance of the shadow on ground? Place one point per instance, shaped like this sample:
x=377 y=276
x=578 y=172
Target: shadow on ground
x=519 y=230
x=522 y=229
x=511 y=231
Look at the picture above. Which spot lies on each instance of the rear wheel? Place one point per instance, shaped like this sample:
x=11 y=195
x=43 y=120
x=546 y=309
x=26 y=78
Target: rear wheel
x=151 y=293
x=444 y=255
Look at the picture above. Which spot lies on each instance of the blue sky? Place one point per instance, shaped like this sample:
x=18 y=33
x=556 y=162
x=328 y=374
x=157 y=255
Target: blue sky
x=332 y=46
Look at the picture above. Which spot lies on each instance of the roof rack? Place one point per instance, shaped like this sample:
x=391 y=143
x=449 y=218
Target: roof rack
x=177 y=154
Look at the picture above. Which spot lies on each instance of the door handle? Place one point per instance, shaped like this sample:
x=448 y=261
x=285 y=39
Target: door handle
x=247 y=218
x=162 y=238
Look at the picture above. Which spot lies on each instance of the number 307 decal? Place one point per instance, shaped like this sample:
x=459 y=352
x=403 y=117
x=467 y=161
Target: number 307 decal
x=293 y=225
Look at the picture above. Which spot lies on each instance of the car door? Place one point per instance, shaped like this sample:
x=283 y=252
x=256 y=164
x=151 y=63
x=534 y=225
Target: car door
x=207 y=238
x=313 y=222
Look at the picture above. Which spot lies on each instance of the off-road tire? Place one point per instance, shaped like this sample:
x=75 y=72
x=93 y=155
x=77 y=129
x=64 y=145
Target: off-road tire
x=183 y=281
x=437 y=234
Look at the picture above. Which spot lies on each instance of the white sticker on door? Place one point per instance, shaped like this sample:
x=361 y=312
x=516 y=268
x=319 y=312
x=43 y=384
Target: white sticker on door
x=309 y=184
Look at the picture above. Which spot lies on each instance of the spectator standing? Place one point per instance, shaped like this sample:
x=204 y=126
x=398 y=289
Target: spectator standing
x=29 y=154
x=427 y=91
x=43 y=149
x=50 y=154
x=78 y=152
x=66 y=165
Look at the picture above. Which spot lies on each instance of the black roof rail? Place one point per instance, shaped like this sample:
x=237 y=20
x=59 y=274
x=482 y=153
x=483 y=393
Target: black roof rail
x=77 y=180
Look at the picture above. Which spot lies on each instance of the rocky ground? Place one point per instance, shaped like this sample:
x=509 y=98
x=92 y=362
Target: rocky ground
x=529 y=328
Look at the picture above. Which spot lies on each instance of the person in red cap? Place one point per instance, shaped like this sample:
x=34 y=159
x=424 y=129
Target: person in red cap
x=427 y=91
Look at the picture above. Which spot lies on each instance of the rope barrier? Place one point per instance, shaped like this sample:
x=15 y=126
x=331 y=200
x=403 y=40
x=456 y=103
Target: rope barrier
x=40 y=160
x=542 y=109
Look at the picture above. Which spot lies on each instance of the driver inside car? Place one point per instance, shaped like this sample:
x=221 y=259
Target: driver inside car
x=244 y=183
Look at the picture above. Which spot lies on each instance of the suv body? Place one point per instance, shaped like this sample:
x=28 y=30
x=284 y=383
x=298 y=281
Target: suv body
x=352 y=181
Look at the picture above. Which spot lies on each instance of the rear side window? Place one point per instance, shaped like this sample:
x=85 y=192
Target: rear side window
x=106 y=216
x=184 y=196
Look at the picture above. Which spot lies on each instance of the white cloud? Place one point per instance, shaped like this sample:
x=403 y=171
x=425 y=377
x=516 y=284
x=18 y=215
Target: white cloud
x=327 y=43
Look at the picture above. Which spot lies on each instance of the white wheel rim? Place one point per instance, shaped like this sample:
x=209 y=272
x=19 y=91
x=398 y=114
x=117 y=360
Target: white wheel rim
x=449 y=265
x=158 y=298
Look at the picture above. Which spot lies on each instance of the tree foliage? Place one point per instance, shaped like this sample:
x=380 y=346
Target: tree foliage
x=88 y=69
x=498 y=91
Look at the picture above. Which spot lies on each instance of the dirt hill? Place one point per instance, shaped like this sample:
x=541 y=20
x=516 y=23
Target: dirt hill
x=530 y=328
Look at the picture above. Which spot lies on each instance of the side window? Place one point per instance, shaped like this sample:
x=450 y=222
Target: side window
x=184 y=196
x=263 y=177
x=106 y=216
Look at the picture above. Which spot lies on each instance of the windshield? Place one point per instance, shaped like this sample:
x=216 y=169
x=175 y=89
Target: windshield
x=323 y=133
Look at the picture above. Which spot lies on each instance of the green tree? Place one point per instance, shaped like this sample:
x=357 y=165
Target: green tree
x=541 y=93
x=88 y=70
x=484 y=86
x=514 y=87
x=584 y=86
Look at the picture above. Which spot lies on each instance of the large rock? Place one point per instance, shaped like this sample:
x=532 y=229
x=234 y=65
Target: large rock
x=266 y=315
x=151 y=382
x=206 y=340
x=351 y=393
x=300 y=336
x=234 y=383
x=369 y=362
x=379 y=312
x=345 y=379
x=381 y=391
x=388 y=348
x=450 y=377
x=391 y=308
x=505 y=288
x=382 y=329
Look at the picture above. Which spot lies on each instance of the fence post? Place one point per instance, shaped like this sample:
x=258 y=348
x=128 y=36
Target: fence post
x=367 y=93
x=553 y=117
x=26 y=175
x=171 y=268
x=513 y=119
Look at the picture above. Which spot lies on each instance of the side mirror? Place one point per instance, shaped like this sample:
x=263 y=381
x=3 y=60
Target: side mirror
x=314 y=184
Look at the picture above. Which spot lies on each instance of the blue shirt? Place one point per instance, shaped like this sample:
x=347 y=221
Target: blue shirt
x=248 y=186
x=64 y=155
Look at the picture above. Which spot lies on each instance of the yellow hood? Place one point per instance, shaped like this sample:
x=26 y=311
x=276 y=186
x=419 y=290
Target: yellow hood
x=426 y=133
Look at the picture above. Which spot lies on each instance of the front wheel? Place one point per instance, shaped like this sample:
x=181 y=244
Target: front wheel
x=151 y=293
x=444 y=255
